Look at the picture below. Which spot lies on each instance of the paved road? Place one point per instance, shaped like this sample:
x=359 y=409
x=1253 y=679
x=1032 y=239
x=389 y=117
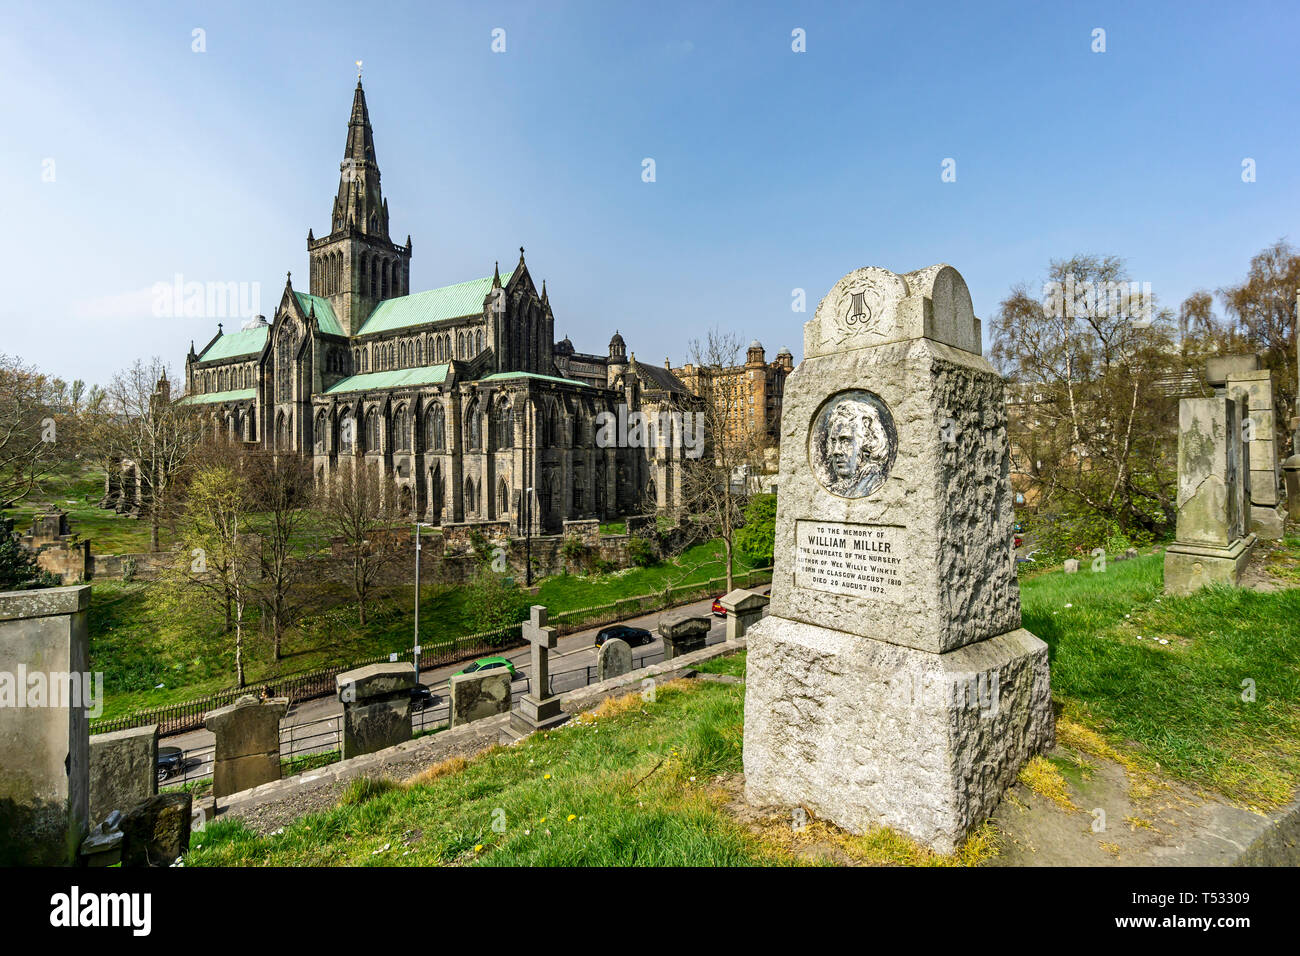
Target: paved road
x=569 y=663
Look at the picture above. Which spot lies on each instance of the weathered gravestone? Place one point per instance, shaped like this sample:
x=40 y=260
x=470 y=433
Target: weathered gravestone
x=376 y=707
x=156 y=832
x=539 y=708
x=123 y=770
x=1291 y=467
x=1242 y=377
x=744 y=610
x=44 y=725
x=891 y=683
x=1071 y=565
x=683 y=632
x=1211 y=543
x=614 y=659
x=248 y=743
x=479 y=695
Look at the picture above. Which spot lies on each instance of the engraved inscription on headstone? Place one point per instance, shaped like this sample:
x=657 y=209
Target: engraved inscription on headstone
x=859 y=559
x=852 y=443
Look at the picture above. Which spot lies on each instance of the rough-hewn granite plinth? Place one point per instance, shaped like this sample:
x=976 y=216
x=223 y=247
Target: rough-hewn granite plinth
x=864 y=733
x=1268 y=521
x=534 y=714
x=1291 y=473
x=1189 y=567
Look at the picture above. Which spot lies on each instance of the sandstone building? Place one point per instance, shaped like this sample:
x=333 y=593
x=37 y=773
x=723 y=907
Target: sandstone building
x=461 y=393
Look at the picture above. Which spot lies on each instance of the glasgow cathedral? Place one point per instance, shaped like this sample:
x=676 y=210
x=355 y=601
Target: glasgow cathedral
x=460 y=394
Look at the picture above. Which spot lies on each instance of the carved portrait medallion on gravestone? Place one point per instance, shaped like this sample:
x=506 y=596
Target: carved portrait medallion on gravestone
x=852 y=443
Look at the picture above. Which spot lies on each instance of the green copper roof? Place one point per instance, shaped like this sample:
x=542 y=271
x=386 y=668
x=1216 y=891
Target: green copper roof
x=324 y=312
x=502 y=376
x=449 y=302
x=396 y=378
x=231 y=344
x=238 y=395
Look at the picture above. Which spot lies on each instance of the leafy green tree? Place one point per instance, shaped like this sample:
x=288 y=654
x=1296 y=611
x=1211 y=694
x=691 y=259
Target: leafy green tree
x=18 y=569
x=494 y=604
x=757 y=537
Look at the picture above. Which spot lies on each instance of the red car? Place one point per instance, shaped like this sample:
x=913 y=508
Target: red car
x=718 y=609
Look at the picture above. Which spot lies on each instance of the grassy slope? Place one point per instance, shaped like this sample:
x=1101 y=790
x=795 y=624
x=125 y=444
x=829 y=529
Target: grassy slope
x=1175 y=708
x=631 y=785
x=138 y=646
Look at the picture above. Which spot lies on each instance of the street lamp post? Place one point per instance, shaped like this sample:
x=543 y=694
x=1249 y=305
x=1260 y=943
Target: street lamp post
x=415 y=641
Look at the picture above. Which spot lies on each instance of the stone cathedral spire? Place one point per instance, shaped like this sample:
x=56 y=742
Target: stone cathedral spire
x=357 y=266
x=360 y=202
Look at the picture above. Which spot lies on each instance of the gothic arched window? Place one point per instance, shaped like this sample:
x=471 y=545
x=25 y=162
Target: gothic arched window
x=504 y=427
x=474 y=427
x=478 y=342
x=433 y=428
x=372 y=431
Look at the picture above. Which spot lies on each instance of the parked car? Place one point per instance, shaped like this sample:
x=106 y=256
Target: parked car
x=422 y=697
x=635 y=636
x=718 y=609
x=171 y=761
x=487 y=663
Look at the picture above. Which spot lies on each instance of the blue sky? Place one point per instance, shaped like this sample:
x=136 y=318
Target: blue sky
x=775 y=170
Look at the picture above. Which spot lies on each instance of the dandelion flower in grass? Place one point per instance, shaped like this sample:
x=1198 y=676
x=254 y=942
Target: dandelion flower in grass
x=478 y=848
x=546 y=776
x=572 y=817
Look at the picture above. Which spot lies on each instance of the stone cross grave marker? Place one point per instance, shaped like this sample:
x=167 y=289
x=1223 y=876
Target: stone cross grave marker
x=891 y=682
x=539 y=708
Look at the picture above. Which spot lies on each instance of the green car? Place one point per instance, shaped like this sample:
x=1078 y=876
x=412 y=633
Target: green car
x=487 y=663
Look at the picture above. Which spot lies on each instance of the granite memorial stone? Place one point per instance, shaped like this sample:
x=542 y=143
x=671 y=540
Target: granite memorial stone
x=891 y=683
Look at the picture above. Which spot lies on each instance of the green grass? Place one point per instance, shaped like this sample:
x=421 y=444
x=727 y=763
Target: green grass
x=733 y=664
x=139 y=646
x=1178 y=707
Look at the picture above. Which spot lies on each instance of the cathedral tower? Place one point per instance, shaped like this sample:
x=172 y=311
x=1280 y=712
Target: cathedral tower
x=357 y=266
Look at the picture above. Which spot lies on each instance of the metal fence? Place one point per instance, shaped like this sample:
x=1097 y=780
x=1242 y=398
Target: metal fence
x=323 y=737
x=188 y=715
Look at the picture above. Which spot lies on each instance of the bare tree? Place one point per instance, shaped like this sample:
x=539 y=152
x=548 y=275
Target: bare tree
x=280 y=490
x=358 y=506
x=140 y=422
x=1095 y=428
x=733 y=432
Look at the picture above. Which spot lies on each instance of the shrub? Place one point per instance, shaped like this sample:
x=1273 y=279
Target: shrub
x=641 y=552
x=495 y=606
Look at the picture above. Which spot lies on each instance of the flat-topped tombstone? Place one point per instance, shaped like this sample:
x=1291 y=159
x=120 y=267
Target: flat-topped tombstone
x=376 y=707
x=123 y=770
x=479 y=695
x=744 y=609
x=1254 y=388
x=1212 y=543
x=614 y=659
x=45 y=739
x=683 y=632
x=891 y=682
x=248 y=743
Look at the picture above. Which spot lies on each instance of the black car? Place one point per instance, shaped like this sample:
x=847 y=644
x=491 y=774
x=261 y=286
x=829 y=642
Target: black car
x=171 y=761
x=422 y=697
x=634 y=636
